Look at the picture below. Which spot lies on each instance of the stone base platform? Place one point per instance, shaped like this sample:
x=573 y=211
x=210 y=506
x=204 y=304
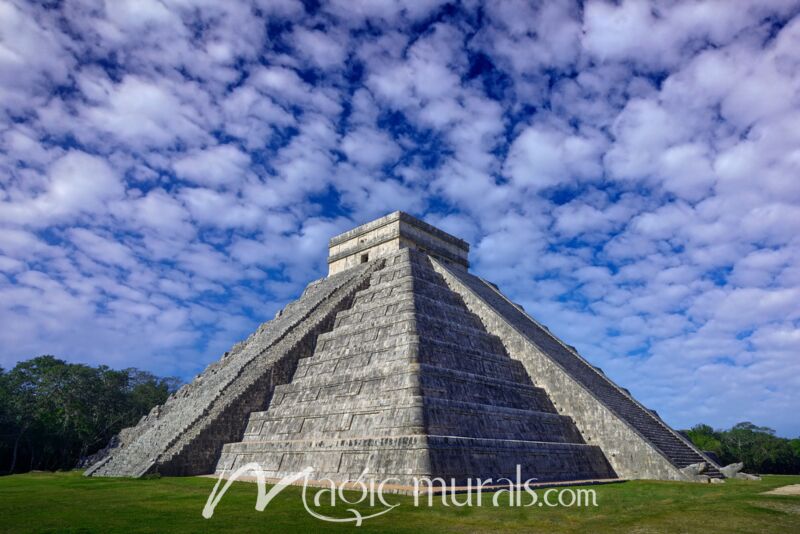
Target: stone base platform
x=404 y=458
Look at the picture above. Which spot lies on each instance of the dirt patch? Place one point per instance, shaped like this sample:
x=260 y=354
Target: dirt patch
x=792 y=489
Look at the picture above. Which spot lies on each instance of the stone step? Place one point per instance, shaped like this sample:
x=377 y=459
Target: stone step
x=406 y=413
x=321 y=376
x=401 y=286
x=499 y=366
x=409 y=303
x=372 y=310
x=431 y=380
x=371 y=373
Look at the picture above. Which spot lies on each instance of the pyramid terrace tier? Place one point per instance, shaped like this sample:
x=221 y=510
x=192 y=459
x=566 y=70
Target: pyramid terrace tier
x=400 y=413
x=440 y=354
x=404 y=458
x=415 y=378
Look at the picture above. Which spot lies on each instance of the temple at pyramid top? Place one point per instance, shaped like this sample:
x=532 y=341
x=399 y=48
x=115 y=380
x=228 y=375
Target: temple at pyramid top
x=391 y=233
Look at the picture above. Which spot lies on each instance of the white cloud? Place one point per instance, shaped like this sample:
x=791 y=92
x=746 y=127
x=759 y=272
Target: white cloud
x=218 y=165
x=223 y=210
x=369 y=147
x=527 y=36
x=426 y=76
x=162 y=212
x=101 y=248
x=541 y=157
x=388 y=12
x=170 y=174
x=322 y=49
x=32 y=57
x=144 y=114
x=76 y=183
x=660 y=35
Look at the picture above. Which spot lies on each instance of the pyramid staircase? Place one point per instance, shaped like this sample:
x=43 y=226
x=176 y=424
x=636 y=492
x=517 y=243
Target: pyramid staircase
x=185 y=435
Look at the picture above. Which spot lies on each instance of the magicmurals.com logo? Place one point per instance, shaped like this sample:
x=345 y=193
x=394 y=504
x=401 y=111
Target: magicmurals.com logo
x=345 y=495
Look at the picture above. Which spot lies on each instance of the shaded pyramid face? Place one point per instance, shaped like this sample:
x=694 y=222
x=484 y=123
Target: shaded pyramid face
x=409 y=383
x=402 y=364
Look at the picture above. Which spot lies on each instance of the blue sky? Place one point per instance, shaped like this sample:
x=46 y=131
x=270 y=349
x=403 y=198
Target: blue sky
x=171 y=173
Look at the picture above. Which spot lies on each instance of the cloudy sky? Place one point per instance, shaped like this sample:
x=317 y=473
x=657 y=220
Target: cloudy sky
x=171 y=170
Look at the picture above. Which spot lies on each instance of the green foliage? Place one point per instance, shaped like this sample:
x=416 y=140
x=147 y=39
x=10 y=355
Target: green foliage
x=757 y=446
x=52 y=412
x=705 y=438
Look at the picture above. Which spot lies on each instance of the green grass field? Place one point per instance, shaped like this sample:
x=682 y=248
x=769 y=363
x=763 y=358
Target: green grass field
x=68 y=502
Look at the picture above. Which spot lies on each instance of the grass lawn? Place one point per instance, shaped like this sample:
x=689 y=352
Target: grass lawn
x=68 y=502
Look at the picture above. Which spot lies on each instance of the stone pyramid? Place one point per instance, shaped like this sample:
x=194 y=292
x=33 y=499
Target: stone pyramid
x=402 y=364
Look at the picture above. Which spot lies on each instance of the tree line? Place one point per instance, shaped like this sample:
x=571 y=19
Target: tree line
x=757 y=446
x=53 y=413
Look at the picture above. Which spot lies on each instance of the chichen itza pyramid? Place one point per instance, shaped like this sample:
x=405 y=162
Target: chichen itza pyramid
x=403 y=363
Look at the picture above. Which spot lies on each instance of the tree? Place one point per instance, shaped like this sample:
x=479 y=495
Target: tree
x=705 y=438
x=757 y=446
x=54 y=412
x=26 y=398
x=795 y=444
